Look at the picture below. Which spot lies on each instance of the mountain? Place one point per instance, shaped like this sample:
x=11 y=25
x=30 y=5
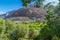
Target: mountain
x=30 y=13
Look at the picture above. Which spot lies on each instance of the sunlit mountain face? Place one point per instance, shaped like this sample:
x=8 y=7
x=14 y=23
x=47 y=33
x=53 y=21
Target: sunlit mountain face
x=26 y=13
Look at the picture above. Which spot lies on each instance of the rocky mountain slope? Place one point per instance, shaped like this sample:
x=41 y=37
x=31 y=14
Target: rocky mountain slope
x=30 y=13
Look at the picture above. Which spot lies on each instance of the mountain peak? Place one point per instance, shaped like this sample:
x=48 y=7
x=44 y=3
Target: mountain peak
x=29 y=12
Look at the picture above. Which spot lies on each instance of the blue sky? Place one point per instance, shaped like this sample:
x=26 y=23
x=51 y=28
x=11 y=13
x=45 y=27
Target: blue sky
x=8 y=5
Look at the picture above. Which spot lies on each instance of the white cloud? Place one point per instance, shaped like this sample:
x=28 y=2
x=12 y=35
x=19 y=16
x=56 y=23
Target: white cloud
x=47 y=1
x=2 y=12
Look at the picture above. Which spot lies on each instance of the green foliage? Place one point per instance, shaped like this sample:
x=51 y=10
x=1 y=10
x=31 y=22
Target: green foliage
x=37 y=3
x=25 y=2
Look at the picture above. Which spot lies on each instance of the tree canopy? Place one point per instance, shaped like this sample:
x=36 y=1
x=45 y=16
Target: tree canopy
x=37 y=3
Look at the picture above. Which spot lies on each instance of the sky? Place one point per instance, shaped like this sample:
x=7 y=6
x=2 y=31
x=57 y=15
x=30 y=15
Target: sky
x=9 y=5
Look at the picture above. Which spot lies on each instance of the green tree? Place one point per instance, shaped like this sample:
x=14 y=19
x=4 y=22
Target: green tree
x=37 y=3
x=53 y=23
x=57 y=20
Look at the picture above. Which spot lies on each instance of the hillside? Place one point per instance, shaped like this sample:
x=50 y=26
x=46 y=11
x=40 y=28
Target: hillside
x=26 y=14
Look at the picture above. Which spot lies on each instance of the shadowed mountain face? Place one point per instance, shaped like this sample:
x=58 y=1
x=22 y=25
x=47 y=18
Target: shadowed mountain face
x=26 y=13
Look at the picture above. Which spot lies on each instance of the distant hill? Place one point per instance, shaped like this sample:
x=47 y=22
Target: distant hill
x=30 y=13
